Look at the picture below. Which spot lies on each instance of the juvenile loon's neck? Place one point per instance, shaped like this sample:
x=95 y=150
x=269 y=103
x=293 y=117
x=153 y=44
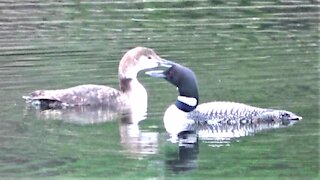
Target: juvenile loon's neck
x=131 y=86
x=186 y=104
x=125 y=84
x=135 y=98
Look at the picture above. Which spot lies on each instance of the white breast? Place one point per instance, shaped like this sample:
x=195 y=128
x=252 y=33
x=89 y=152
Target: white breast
x=176 y=120
x=138 y=100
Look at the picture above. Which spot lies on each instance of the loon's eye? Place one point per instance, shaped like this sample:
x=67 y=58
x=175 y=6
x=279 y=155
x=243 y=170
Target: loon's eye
x=171 y=73
x=149 y=57
x=285 y=115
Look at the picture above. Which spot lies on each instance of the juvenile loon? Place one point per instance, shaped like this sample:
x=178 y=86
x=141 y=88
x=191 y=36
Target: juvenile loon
x=186 y=115
x=131 y=92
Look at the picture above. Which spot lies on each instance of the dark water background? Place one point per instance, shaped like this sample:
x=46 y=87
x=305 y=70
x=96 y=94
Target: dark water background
x=263 y=53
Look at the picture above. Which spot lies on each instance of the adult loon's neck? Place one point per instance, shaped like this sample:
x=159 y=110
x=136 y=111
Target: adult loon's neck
x=186 y=104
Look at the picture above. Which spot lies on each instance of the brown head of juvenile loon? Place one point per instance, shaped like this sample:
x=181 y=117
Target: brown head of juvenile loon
x=131 y=93
x=186 y=114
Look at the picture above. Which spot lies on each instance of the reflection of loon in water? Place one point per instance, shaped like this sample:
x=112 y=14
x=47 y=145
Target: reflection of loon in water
x=185 y=159
x=132 y=94
x=186 y=115
x=136 y=143
x=185 y=156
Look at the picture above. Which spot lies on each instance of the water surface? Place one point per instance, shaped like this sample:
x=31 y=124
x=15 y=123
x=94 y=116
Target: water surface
x=263 y=53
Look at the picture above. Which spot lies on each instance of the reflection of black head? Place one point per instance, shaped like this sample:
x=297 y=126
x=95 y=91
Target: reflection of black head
x=184 y=79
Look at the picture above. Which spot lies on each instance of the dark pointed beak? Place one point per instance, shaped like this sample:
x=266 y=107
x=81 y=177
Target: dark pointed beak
x=296 y=118
x=159 y=73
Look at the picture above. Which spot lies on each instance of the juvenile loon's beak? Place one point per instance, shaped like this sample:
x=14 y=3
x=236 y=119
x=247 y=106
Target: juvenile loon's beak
x=166 y=64
x=156 y=73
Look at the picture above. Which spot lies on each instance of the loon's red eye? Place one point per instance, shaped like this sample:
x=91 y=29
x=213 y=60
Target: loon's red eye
x=171 y=73
x=285 y=115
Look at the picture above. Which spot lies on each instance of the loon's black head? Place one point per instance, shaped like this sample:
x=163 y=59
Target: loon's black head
x=180 y=76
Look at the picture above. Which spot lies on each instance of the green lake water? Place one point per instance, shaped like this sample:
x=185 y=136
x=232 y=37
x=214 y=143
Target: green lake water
x=263 y=53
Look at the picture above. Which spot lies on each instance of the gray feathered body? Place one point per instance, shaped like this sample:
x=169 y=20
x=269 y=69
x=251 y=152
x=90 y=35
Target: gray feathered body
x=221 y=112
x=75 y=96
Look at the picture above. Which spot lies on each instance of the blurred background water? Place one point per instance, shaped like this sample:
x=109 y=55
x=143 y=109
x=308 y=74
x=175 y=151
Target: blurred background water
x=263 y=53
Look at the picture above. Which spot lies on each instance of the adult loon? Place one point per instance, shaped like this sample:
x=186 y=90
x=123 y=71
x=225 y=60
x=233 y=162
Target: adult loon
x=186 y=115
x=131 y=93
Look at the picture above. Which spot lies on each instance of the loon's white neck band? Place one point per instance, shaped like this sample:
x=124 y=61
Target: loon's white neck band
x=188 y=100
x=186 y=104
